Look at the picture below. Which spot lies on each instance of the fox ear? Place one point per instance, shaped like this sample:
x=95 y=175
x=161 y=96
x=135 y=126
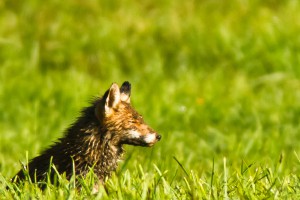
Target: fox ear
x=113 y=98
x=125 y=92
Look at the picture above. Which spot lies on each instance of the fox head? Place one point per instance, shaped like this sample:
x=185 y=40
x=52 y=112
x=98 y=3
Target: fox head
x=121 y=123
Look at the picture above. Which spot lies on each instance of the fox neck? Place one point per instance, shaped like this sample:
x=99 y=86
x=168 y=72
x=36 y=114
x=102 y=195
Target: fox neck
x=102 y=152
x=109 y=158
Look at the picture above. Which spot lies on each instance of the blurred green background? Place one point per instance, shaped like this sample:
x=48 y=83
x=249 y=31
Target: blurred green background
x=216 y=78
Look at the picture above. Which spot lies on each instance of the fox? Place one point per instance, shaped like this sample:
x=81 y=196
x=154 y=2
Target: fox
x=95 y=140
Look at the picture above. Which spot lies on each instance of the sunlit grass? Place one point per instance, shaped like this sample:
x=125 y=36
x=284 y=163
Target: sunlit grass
x=220 y=81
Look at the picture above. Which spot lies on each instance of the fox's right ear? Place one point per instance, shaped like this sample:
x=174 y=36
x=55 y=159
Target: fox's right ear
x=125 y=92
x=113 y=98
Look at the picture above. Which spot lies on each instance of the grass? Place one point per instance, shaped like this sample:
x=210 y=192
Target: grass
x=219 y=80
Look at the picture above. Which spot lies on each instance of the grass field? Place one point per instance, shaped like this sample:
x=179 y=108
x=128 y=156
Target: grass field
x=219 y=80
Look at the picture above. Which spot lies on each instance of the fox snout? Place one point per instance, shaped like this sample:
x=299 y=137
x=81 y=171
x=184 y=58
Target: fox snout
x=137 y=138
x=151 y=138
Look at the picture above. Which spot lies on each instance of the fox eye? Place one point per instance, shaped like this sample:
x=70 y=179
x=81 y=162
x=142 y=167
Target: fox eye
x=135 y=116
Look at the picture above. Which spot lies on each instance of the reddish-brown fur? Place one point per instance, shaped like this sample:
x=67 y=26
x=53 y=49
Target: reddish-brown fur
x=95 y=140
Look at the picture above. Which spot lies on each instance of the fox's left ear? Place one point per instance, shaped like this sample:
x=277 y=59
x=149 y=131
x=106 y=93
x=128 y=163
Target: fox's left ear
x=113 y=98
x=125 y=92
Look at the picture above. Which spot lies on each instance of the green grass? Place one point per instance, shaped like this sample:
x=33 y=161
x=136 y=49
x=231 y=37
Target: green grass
x=219 y=80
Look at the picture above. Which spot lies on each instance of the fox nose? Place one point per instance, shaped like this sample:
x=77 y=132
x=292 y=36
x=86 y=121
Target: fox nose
x=158 y=137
